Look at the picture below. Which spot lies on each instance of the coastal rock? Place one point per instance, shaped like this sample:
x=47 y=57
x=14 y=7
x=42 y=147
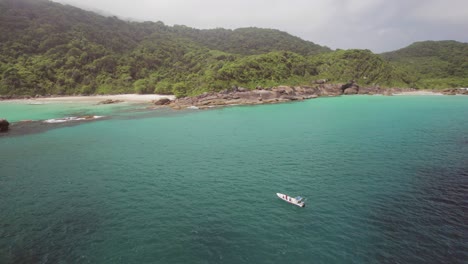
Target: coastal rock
x=351 y=90
x=330 y=89
x=242 y=96
x=267 y=95
x=163 y=101
x=452 y=91
x=110 y=101
x=388 y=92
x=259 y=95
x=370 y=90
x=286 y=90
x=4 y=125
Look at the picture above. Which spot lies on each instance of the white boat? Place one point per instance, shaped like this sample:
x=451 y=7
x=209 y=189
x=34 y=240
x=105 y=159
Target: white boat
x=299 y=201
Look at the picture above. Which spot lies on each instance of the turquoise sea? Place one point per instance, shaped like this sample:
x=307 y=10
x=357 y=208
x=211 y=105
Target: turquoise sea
x=386 y=181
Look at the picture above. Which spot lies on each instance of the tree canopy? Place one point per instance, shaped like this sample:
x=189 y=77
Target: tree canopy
x=50 y=48
x=437 y=64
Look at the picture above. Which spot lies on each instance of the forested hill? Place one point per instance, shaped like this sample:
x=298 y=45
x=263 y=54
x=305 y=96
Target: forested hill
x=250 y=41
x=437 y=63
x=50 y=48
x=39 y=19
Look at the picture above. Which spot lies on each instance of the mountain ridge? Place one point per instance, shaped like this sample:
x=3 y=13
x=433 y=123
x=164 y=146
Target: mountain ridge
x=50 y=48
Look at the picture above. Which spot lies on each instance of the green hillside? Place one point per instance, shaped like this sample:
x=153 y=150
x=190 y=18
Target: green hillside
x=49 y=48
x=438 y=64
x=363 y=66
x=250 y=41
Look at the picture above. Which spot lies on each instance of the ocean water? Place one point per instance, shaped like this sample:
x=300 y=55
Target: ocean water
x=386 y=181
x=17 y=110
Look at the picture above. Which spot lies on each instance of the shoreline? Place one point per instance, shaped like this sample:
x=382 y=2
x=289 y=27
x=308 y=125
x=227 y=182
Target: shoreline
x=234 y=96
x=148 y=98
x=131 y=98
x=421 y=92
x=281 y=94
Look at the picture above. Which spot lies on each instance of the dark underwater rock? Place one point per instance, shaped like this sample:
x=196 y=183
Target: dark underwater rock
x=4 y=125
x=110 y=101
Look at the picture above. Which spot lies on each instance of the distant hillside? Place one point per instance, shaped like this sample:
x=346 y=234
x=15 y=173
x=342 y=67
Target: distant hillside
x=50 y=48
x=363 y=66
x=340 y=66
x=436 y=63
x=250 y=41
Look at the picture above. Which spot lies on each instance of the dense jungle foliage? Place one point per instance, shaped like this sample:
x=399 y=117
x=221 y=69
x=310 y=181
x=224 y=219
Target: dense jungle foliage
x=49 y=48
x=438 y=64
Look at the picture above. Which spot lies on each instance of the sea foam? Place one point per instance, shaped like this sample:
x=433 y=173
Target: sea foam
x=71 y=119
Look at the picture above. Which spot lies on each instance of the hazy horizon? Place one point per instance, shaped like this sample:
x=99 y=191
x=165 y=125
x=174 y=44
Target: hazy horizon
x=377 y=25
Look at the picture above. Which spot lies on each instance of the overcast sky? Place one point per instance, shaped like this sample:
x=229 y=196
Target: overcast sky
x=378 y=25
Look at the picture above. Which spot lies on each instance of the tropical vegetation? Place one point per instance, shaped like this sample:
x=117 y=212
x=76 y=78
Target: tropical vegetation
x=50 y=48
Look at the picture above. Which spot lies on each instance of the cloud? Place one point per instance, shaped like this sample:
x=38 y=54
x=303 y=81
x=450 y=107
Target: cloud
x=360 y=7
x=378 y=25
x=449 y=11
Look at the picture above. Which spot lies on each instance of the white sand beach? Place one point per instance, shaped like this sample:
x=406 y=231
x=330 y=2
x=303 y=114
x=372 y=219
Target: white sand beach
x=422 y=92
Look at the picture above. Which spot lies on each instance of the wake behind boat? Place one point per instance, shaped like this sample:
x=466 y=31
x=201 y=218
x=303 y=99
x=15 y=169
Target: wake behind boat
x=299 y=201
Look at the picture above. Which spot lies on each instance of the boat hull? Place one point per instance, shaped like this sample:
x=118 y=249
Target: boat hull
x=290 y=199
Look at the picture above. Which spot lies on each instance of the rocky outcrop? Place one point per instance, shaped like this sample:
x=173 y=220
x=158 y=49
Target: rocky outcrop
x=371 y=90
x=243 y=96
x=110 y=101
x=350 y=88
x=162 y=101
x=330 y=90
x=455 y=91
x=4 y=125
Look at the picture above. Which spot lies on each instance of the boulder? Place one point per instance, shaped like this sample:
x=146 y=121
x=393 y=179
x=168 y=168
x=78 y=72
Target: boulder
x=450 y=91
x=110 y=101
x=4 y=125
x=330 y=89
x=212 y=102
x=266 y=95
x=286 y=90
x=163 y=101
x=351 y=90
x=370 y=90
